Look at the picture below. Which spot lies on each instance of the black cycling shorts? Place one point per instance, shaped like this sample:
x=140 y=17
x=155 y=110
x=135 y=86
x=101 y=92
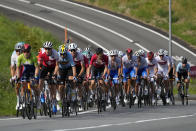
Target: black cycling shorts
x=184 y=75
x=97 y=72
x=171 y=75
x=65 y=73
x=45 y=70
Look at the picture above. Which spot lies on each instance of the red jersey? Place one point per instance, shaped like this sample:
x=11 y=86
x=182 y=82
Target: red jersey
x=48 y=61
x=86 y=62
x=99 y=63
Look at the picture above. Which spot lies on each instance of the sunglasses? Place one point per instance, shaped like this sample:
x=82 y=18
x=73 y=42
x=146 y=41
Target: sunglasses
x=63 y=54
x=161 y=55
x=73 y=50
x=17 y=50
x=113 y=55
x=26 y=51
x=47 y=48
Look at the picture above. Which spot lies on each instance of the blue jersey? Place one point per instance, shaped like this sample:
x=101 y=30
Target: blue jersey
x=66 y=62
x=181 y=69
x=143 y=64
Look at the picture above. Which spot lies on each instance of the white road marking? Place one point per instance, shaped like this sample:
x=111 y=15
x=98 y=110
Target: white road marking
x=58 y=25
x=6 y=119
x=126 y=123
x=114 y=16
x=92 y=23
x=25 y=1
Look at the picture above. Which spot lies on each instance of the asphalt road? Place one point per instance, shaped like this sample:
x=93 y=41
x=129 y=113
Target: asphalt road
x=176 y=118
x=87 y=26
x=107 y=31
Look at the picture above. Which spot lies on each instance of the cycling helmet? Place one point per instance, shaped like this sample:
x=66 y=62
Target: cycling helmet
x=150 y=55
x=165 y=52
x=129 y=50
x=62 y=49
x=161 y=52
x=120 y=54
x=27 y=47
x=47 y=44
x=137 y=53
x=113 y=52
x=142 y=52
x=72 y=46
x=19 y=45
x=99 y=51
x=184 y=60
x=79 y=49
x=87 y=49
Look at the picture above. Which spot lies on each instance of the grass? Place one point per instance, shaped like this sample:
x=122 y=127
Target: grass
x=10 y=33
x=155 y=13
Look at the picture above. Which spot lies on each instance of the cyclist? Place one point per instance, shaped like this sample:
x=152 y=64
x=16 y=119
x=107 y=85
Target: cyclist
x=47 y=58
x=114 y=72
x=65 y=68
x=128 y=71
x=17 y=51
x=98 y=67
x=87 y=53
x=164 y=68
x=29 y=64
x=183 y=70
x=172 y=71
x=80 y=65
x=141 y=69
x=152 y=70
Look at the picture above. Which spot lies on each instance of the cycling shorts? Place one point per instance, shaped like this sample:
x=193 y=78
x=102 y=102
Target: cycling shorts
x=128 y=73
x=28 y=72
x=141 y=73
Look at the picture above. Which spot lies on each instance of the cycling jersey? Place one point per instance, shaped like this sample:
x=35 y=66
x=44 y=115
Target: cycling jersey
x=99 y=63
x=28 y=66
x=48 y=61
x=151 y=66
x=128 y=67
x=14 y=59
x=66 y=62
x=114 y=65
x=182 y=69
x=128 y=63
x=78 y=59
x=86 y=62
x=163 y=65
x=142 y=66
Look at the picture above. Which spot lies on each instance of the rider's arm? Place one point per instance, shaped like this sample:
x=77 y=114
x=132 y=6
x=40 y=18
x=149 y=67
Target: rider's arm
x=12 y=67
x=74 y=71
x=56 y=68
x=82 y=69
x=18 y=66
x=106 y=65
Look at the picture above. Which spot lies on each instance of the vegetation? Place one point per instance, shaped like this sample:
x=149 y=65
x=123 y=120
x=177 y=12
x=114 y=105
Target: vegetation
x=11 y=33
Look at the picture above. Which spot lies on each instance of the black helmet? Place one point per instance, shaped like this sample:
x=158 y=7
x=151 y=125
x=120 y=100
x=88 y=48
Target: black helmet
x=99 y=51
x=184 y=60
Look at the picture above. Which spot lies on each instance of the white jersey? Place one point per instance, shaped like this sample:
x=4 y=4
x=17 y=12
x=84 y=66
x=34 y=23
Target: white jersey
x=151 y=66
x=79 y=59
x=128 y=63
x=163 y=65
x=114 y=65
x=171 y=60
x=14 y=59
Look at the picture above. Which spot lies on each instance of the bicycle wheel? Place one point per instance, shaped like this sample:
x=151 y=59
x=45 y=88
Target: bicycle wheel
x=98 y=100
x=28 y=104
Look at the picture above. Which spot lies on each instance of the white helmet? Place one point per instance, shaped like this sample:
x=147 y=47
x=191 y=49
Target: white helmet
x=79 y=49
x=87 y=49
x=72 y=46
x=19 y=45
x=47 y=44
x=120 y=53
x=161 y=52
x=137 y=53
x=113 y=52
x=142 y=52
x=166 y=52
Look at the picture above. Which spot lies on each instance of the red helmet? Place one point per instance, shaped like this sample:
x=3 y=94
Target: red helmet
x=129 y=50
x=150 y=55
x=27 y=47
